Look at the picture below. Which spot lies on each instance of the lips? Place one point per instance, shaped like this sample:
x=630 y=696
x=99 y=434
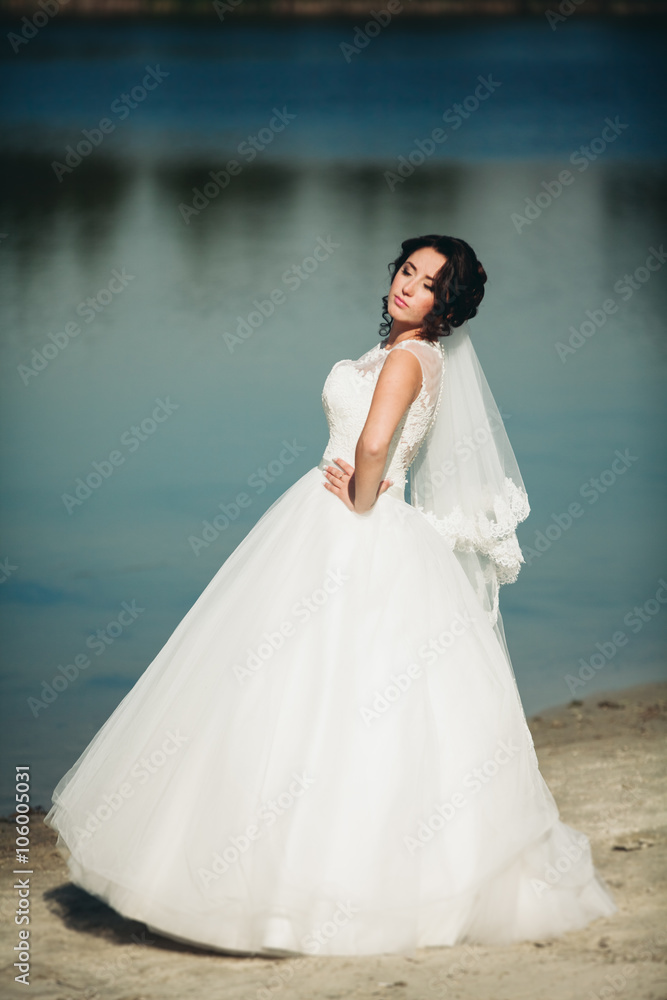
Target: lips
x=400 y=302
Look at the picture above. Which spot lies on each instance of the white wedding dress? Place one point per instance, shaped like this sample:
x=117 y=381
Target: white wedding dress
x=329 y=755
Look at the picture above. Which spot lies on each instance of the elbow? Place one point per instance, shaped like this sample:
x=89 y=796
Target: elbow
x=372 y=448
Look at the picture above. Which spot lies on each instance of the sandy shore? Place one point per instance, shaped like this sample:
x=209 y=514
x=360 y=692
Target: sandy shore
x=603 y=759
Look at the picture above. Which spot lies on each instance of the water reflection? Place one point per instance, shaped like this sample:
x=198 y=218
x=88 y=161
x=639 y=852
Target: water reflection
x=161 y=336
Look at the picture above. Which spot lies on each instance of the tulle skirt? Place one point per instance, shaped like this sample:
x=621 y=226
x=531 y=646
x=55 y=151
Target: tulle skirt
x=328 y=756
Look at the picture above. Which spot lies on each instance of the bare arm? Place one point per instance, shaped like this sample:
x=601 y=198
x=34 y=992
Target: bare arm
x=397 y=387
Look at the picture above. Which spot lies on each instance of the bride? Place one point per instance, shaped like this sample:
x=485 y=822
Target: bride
x=329 y=755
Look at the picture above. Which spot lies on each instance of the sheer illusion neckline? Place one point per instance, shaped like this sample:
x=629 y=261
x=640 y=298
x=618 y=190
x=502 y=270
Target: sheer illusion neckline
x=407 y=340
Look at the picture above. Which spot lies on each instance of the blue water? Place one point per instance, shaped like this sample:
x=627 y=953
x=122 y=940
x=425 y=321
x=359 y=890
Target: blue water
x=159 y=335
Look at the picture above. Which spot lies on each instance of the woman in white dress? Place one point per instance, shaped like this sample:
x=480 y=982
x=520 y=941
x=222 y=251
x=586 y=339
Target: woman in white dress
x=329 y=755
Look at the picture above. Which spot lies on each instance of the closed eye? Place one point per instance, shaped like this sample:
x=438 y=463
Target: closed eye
x=429 y=288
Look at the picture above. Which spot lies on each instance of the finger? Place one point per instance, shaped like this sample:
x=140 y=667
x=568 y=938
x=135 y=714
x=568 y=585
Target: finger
x=349 y=469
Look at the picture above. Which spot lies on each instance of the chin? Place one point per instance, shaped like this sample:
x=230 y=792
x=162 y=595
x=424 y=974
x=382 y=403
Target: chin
x=396 y=312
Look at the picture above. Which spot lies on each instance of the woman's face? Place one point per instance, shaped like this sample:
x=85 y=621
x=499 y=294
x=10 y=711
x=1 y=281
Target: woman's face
x=411 y=293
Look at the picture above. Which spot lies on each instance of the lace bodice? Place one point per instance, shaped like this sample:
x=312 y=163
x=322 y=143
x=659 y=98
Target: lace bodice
x=346 y=398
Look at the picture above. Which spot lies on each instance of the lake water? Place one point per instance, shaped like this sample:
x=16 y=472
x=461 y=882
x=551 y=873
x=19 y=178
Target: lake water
x=122 y=298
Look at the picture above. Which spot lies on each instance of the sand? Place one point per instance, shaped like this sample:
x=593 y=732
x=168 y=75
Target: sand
x=602 y=757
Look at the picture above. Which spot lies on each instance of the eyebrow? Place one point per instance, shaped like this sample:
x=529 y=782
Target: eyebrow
x=428 y=276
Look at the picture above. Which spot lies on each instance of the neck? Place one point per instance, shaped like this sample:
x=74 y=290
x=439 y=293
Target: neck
x=399 y=332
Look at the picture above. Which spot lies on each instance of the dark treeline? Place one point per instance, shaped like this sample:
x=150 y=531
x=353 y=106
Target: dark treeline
x=331 y=8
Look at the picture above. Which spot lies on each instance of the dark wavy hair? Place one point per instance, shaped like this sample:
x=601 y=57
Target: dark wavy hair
x=458 y=286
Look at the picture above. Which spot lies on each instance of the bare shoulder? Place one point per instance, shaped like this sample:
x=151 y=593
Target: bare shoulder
x=428 y=354
x=401 y=374
x=401 y=360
